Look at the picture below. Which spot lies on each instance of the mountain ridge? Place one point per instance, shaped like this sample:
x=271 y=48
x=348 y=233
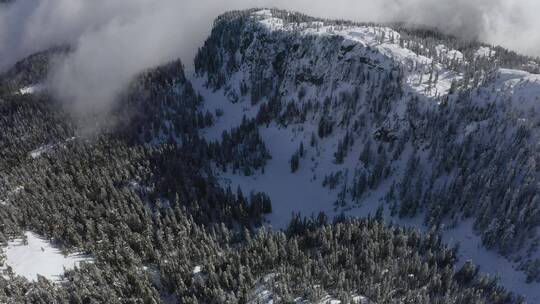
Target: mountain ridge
x=479 y=102
x=353 y=120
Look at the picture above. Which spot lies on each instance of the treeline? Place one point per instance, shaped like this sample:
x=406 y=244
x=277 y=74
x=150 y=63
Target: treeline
x=312 y=260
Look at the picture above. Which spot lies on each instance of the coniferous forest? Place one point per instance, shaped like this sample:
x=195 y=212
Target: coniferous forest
x=142 y=194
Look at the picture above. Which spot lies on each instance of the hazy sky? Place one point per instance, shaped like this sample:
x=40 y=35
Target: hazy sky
x=116 y=39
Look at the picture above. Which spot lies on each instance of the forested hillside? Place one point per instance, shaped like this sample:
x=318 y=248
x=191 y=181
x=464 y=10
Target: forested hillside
x=401 y=122
x=412 y=121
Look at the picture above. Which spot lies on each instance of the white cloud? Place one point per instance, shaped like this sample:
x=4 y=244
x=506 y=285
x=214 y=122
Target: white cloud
x=116 y=39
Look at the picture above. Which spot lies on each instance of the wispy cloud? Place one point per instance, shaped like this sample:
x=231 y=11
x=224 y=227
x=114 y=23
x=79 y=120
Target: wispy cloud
x=114 y=40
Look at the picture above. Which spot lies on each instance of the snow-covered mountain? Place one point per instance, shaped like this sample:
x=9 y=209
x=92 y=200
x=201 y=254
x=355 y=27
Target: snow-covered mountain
x=303 y=117
x=360 y=118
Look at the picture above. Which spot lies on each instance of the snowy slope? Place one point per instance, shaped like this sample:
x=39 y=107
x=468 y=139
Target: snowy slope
x=385 y=41
x=377 y=52
x=39 y=257
x=470 y=245
x=517 y=87
x=521 y=89
x=303 y=193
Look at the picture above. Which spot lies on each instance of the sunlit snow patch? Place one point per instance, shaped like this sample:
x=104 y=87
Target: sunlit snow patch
x=41 y=150
x=418 y=73
x=48 y=148
x=470 y=248
x=484 y=51
x=197 y=269
x=520 y=88
x=39 y=257
x=32 y=89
